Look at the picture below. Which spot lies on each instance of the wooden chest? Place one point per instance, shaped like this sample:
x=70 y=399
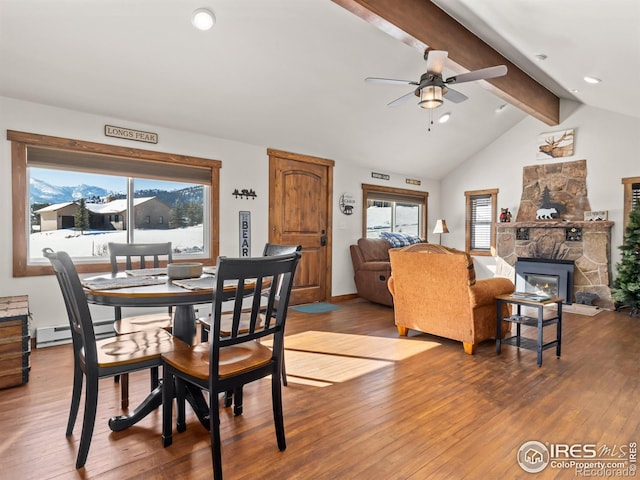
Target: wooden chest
x=15 y=345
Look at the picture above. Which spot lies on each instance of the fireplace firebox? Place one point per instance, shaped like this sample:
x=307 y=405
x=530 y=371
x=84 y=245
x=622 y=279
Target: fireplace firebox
x=545 y=276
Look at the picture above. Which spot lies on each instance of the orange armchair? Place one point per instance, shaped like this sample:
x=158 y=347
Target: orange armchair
x=435 y=291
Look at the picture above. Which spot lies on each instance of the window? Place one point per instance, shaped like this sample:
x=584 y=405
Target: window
x=390 y=209
x=631 y=196
x=107 y=193
x=480 y=237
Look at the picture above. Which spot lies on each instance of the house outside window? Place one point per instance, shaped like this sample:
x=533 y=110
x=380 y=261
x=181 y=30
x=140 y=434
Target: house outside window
x=122 y=190
x=388 y=209
x=480 y=235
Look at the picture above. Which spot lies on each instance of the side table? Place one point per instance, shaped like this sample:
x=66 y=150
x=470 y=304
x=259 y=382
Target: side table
x=538 y=321
x=15 y=345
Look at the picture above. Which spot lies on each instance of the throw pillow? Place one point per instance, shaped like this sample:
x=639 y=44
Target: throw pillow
x=397 y=239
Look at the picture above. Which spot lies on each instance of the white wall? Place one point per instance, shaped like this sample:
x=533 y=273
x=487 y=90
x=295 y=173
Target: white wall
x=243 y=166
x=610 y=143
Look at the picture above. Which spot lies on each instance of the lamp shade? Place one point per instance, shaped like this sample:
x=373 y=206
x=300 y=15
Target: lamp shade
x=441 y=226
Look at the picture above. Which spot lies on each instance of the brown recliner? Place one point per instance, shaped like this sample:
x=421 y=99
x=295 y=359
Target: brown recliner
x=372 y=269
x=435 y=291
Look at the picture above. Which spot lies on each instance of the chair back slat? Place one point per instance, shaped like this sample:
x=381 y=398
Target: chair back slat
x=82 y=332
x=142 y=252
x=260 y=279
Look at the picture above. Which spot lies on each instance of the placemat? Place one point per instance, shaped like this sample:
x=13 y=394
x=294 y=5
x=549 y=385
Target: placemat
x=147 y=272
x=120 y=282
x=202 y=283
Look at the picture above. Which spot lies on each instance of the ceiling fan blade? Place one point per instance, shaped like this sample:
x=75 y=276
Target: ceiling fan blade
x=436 y=60
x=455 y=96
x=482 y=74
x=389 y=81
x=401 y=100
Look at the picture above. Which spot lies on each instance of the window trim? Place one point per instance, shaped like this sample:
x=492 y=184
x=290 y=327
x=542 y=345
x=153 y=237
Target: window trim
x=493 y=192
x=628 y=199
x=21 y=141
x=411 y=195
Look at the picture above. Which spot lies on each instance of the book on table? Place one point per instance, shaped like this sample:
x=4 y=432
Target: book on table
x=531 y=296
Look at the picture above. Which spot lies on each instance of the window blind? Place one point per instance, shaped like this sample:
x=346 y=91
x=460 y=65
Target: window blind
x=635 y=194
x=110 y=165
x=481 y=222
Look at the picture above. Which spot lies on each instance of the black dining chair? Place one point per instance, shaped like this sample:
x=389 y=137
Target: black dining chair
x=227 y=363
x=270 y=249
x=95 y=359
x=138 y=256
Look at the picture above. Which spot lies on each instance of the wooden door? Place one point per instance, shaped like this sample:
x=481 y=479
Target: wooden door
x=300 y=213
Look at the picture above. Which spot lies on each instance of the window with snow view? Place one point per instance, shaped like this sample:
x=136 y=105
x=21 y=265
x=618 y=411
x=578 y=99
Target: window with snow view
x=80 y=196
x=389 y=209
x=59 y=200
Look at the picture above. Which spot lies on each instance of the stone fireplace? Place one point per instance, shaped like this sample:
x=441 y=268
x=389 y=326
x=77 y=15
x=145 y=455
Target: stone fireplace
x=565 y=236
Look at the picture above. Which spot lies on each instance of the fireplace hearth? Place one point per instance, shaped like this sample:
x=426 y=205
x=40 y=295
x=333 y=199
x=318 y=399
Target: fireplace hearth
x=545 y=276
x=548 y=241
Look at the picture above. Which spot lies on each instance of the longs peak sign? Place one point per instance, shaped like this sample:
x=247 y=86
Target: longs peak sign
x=129 y=134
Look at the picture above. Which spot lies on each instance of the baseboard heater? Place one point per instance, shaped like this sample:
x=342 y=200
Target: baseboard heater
x=50 y=336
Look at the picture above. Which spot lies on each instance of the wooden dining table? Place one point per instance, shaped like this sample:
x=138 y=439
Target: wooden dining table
x=133 y=289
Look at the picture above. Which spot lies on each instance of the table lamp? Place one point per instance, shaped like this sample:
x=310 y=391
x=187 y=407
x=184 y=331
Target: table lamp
x=441 y=227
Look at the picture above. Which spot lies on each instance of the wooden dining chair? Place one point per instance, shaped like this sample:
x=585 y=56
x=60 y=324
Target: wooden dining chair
x=270 y=249
x=138 y=256
x=227 y=363
x=103 y=358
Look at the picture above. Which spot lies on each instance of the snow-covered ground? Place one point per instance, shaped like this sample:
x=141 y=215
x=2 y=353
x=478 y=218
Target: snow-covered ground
x=93 y=243
x=379 y=220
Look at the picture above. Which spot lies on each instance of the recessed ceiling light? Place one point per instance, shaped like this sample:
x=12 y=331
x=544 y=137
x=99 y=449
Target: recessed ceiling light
x=541 y=57
x=592 y=80
x=444 y=118
x=574 y=90
x=501 y=108
x=203 y=19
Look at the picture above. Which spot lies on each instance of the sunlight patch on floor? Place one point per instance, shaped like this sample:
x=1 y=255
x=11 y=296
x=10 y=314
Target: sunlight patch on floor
x=382 y=348
x=323 y=358
x=327 y=368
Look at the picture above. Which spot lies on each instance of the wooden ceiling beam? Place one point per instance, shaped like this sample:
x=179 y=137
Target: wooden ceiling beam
x=422 y=24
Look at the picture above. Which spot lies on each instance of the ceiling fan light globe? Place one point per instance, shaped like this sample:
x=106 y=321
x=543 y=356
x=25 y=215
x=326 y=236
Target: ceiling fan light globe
x=430 y=97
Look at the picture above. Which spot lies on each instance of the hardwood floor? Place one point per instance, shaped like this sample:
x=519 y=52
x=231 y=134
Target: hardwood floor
x=361 y=404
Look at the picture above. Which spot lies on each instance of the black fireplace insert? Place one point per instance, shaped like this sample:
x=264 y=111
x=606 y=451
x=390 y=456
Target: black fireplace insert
x=545 y=276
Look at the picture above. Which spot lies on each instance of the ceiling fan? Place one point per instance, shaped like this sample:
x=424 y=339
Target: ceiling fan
x=432 y=87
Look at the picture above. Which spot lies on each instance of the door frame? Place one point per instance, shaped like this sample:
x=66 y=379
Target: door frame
x=273 y=238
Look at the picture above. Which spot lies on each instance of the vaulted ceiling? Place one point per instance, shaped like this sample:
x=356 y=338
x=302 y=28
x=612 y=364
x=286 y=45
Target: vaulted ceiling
x=289 y=74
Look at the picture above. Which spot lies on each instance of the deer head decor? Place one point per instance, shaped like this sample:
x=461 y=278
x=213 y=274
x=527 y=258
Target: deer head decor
x=562 y=147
